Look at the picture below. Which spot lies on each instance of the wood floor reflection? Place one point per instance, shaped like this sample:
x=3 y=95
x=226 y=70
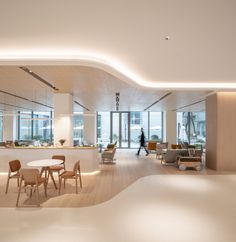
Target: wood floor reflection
x=101 y=186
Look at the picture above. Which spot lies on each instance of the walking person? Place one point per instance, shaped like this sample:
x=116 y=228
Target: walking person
x=142 y=143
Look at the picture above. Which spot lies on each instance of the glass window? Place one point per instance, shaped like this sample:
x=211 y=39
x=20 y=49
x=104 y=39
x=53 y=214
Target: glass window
x=35 y=126
x=155 y=132
x=138 y=120
x=78 y=128
x=25 y=126
x=197 y=128
x=103 y=128
x=41 y=126
x=191 y=127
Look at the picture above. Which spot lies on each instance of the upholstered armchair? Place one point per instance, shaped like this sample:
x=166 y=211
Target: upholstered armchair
x=109 y=153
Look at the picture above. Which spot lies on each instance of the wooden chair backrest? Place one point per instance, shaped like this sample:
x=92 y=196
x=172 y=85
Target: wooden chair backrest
x=76 y=167
x=14 y=165
x=29 y=175
x=59 y=157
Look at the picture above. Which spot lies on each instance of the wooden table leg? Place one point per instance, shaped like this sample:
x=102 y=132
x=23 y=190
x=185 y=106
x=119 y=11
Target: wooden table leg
x=51 y=175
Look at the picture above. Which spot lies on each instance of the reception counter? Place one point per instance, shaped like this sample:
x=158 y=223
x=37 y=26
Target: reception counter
x=88 y=156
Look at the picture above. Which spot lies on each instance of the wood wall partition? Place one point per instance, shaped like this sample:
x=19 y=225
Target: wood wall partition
x=221 y=131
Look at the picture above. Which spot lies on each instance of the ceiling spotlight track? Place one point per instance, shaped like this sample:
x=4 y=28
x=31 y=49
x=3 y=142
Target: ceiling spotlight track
x=188 y=105
x=117 y=101
x=81 y=105
x=14 y=106
x=157 y=101
x=27 y=70
x=26 y=99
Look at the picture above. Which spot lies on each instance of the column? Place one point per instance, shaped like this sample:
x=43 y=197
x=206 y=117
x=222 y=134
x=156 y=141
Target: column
x=221 y=131
x=169 y=127
x=9 y=125
x=90 y=127
x=63 y=118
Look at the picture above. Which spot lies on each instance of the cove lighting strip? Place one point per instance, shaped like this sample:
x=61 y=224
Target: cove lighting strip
x=66 y=57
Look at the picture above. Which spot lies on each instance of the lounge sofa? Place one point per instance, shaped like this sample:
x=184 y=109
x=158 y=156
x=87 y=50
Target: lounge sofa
x=181 y=157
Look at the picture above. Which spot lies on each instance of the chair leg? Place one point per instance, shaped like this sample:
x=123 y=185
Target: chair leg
x=31 y=191
x=8 y=180
x=80 y=180
x=45 y=188
x=51 y=175
x=60 y=180
x=64 y=182
x=18 y=196
x=76 y=184
x=37 y=195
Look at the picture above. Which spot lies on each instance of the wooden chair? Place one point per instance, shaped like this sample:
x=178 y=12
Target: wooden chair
x=32 y=178
x=71 y=175
x=14 y=167
x=60 y=167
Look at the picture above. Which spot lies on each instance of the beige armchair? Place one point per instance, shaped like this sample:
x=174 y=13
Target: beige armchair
x=108 y=155
x=171 y=155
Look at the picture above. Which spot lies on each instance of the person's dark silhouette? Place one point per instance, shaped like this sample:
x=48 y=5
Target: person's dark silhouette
x=142 y=143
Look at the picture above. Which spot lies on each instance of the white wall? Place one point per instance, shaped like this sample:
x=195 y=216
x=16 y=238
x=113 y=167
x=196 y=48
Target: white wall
x=9 y=125
x=90 y=127
x=169 y=127
x=63 y=118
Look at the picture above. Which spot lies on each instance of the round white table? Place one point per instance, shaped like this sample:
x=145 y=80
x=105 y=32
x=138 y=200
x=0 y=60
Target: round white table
x=45 y=165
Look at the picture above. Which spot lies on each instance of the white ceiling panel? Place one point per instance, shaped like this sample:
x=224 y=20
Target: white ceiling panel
x=93 y=88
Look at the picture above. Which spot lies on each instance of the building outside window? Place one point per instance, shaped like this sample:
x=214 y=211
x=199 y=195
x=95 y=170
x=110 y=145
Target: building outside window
x=78 y=128
x=25 y=126
x=155 y=123
x=138 y=120
x=103 y=128
x=126 y=127
x=191 y=127
x=35 y=126
x=41 y=126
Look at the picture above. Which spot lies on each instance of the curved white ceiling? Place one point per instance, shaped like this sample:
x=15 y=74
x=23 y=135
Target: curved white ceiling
x=127 y=39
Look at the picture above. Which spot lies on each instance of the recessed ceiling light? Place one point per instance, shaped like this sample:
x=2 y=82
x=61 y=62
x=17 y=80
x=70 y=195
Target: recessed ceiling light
x=167 y=37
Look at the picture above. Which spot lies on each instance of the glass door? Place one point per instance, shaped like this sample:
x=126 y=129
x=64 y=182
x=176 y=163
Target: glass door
x=115 y=128
x=120 y=129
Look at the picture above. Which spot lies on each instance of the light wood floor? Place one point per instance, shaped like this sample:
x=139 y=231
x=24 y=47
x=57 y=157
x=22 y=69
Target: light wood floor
x=98 y=188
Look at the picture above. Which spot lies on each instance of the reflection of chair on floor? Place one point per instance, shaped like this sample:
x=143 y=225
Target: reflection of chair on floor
x=31 y=178
x=14 y=167
x=71 y=175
